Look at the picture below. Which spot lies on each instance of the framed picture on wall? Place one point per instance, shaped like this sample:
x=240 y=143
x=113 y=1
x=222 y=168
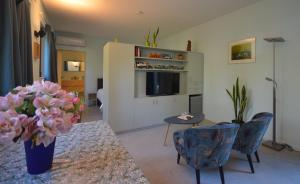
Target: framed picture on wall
x=242 y=51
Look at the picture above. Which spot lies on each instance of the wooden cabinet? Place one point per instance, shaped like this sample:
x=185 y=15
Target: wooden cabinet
x=73 y=85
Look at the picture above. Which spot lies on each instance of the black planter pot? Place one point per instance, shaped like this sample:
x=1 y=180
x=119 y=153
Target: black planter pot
x=238 y=122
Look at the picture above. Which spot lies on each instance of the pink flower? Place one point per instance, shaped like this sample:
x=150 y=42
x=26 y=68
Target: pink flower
x=7 y=129
x=4 y=105
x=22 y=91
x=60 y=93
x=10 y=101
x=68 y=106
x=15 y=100
x=66 y=123
x=76 y=100
x=81 y=108
x=55 y=112
x=55 y=102
x=29 y=128
x=75 y=118
x=43 y=101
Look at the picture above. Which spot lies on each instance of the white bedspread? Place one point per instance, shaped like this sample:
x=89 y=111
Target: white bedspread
x=100 y=96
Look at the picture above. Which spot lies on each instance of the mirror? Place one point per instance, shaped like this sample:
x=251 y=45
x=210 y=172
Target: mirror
x=71 y=70
x=73 y=66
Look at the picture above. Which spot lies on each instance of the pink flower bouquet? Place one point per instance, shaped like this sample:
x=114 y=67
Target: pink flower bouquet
x=38 y=112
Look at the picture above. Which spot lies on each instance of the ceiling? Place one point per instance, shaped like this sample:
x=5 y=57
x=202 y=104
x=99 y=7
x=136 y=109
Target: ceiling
x=119 y=18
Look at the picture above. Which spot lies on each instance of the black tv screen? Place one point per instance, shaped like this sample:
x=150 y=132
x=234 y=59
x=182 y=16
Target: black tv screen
x=162 y=83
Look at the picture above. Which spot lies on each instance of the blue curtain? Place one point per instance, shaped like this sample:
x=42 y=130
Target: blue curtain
x=49 y=56
x=25 y=42
x=9 y=53
x=15 y=45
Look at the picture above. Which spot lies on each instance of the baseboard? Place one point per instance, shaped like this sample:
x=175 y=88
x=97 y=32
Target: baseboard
x=295 y=147
x=138 y=129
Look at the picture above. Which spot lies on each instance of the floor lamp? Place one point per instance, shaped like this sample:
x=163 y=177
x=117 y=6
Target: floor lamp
x=273 y=144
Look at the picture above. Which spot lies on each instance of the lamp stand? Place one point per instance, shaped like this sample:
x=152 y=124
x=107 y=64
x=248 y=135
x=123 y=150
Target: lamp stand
x=273 y=144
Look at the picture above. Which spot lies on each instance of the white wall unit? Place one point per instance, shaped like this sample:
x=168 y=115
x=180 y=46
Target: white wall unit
x=126 y=105
x=195 y=75
x=118 y=85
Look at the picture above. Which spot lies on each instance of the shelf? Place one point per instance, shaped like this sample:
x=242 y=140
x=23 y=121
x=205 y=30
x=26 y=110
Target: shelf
x=169 y=70
x=159 y=96
x=162 y=49
x=160 y=59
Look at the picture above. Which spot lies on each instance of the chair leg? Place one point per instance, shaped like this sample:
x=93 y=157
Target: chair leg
x=197 y=176
x=250 y=162
x=178 y=158
x=221 y=171
x=257 y=157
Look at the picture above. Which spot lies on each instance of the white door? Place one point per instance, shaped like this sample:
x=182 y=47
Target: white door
x=195 y=73
x=146 y=112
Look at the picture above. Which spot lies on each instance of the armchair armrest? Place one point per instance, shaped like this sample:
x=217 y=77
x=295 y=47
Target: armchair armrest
x=178 y=138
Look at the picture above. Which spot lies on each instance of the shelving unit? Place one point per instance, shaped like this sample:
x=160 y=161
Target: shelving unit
x=169 y=70
x=126 y=104
x=159 y=59
x=161 y=49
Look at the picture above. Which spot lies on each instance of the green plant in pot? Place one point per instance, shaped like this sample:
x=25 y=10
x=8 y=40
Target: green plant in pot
x=147 y=38
x=155 y=35
x=240 y=101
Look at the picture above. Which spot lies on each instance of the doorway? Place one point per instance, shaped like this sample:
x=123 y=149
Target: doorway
x=71 y=71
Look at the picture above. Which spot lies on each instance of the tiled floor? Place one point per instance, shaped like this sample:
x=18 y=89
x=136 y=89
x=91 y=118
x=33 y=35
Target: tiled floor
x=91 y=114
x=158 y=162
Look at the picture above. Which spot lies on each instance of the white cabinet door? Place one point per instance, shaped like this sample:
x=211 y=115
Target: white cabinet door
x=153 y=110
x=195 y=73
x=146 y=112
x=180 y=104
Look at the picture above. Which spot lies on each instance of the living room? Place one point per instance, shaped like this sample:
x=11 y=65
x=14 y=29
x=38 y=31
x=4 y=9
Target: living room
x=190 y=91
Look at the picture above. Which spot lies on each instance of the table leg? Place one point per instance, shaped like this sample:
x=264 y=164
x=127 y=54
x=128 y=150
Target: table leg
x=166 y=134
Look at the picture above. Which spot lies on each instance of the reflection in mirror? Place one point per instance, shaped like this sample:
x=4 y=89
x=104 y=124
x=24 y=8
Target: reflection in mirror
x=71 y=70
x=73 y=66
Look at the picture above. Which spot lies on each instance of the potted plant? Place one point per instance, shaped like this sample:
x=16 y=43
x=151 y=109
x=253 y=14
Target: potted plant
x=155 y=35
x=239 y=100
x=36 y=114
x=147 y=37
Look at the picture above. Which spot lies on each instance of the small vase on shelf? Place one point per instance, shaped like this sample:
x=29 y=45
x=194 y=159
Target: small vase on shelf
x=154 y=45
x=147 y=44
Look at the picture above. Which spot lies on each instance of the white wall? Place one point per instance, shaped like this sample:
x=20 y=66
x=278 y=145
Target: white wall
x=264 y=19
x=94 y=61
x=37 y=16
x=93 y=50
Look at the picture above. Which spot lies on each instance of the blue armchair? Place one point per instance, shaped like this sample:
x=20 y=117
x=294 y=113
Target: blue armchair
x=206 y=146
x=250 y=135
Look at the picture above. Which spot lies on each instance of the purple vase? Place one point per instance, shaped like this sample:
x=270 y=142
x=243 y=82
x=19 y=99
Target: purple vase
x=39 y=158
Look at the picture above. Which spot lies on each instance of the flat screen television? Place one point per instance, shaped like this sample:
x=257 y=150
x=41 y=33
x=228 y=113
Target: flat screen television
x=162 y=83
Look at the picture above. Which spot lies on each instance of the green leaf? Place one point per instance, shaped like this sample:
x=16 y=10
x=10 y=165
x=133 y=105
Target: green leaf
x=237 y=89
x=228 y=92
